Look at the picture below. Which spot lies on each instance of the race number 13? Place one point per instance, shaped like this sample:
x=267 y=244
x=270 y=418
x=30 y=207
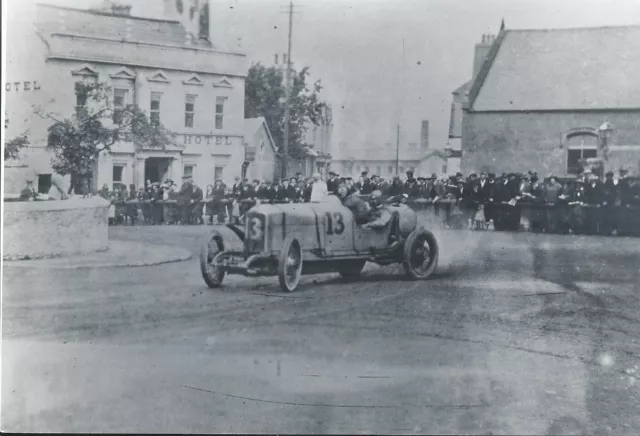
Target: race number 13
x=339 y=223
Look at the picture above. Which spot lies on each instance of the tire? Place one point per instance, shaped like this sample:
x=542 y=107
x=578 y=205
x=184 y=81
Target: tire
x=212 y=275
x=352 y=269
x=415 y=264
x=290 y=264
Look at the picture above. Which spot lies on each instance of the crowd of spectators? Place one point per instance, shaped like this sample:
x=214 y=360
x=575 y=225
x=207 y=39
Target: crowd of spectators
x=475 y=202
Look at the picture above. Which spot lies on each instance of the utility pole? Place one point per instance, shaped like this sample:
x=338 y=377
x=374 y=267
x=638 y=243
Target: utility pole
x=287 y=95
x=400 y=115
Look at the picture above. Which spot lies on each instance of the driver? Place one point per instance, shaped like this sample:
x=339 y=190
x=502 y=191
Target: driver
x=358 y=206
x=379 y=214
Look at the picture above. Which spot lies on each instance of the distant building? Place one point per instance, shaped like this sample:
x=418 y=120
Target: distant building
x=381 y=161
x=541 y=96
x=261 y=152
x=168 y=68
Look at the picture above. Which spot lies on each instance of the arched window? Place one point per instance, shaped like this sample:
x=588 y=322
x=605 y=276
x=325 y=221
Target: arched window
x=580 y=145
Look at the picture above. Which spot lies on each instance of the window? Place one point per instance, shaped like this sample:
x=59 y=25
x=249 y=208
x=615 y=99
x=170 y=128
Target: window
x=401 y=170
x=218 y=173
x=220 y=112
x=81 y=99
x=119 y=104
x=117 y=175
x=44 y=183
x=358 y=169
x=189 y=110
x=154 y=113
x=378 y=170
x=390 y=169
x=189 y=170
x=580 y=146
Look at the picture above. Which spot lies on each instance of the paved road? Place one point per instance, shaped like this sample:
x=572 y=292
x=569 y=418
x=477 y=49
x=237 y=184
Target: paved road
x=517 y=334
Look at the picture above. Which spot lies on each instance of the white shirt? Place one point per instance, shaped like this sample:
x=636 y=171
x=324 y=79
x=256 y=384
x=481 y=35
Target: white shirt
x=318 y=191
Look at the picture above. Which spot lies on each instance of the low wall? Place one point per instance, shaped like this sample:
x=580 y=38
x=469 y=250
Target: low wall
x=39 y=229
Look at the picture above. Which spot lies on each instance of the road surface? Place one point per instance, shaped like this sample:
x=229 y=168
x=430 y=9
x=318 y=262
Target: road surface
x=516 y=334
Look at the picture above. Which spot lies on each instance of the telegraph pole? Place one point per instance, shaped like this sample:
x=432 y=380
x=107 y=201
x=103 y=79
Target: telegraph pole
x=287 y=95
x=400 y=115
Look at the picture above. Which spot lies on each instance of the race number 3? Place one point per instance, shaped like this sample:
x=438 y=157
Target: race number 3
x=255 y=228
x=339 y=223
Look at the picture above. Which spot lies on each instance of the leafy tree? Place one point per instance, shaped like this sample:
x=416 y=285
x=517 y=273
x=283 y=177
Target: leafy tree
x=78 y=141
x=265 y=96
x=12 y=147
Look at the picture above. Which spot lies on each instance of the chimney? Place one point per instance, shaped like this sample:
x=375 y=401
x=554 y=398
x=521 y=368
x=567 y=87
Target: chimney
x=424 y=135
x=481 y=53
x=121 y=10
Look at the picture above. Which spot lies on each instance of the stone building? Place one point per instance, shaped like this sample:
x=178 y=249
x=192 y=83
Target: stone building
x=169 y=69
x=261 y=151
x=548 y=99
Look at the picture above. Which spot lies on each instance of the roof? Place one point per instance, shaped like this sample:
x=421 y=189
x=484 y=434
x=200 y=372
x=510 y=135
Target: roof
x=99 y=24
x=560 y=69
x=252 y=125
x=463 y=89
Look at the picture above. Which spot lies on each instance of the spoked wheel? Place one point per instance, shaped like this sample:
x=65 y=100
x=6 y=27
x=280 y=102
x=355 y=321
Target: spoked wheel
x=420 y=257
x=211 y=273
x=290 y=264
x=352 y=269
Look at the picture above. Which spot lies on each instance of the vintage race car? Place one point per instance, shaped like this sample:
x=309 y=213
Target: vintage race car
x=289 y=240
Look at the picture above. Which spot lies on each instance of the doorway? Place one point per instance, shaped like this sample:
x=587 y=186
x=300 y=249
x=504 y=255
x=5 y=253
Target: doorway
x=156 y=169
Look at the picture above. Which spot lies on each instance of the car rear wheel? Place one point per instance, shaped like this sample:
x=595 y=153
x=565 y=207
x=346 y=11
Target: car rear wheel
x=352 y=269
x=290 y=264
x=212 y=274
x=420 y=257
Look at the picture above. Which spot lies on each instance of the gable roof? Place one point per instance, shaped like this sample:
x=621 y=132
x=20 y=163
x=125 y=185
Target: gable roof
x=560 y=69
x=252 y=125
x=92 y=23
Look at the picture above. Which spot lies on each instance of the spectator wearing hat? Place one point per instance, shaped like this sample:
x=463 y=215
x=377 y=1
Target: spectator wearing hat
x=609 y=197
x=375 y=182
x=196 y=205
x=411 y=187
x=366 y=187
x=396 y=187
x=184 y=199
x=289 y=191
x=217 y=195
x=28 y=193
x=552 y=192
x=333 y=182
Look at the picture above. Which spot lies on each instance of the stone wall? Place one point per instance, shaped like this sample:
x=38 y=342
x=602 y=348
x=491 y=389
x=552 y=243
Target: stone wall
x=520 y=141
x=54 y=228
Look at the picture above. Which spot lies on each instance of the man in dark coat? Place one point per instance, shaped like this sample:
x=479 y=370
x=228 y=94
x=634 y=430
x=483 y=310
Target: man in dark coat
x=396 y=187
x=278 y=193
x=218 y=194
x=609 y=197
x=184 y=199
x=366 y=187
x=411 y=187
x=196 y=206
x=289 y=190
x=333 y=182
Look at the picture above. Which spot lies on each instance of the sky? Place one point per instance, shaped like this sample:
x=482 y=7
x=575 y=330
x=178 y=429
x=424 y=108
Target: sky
x=355 y=47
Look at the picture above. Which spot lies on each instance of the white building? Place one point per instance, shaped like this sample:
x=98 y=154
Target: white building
x=195 y=90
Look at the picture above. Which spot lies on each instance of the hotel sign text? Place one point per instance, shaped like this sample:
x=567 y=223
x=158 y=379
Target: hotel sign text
x=205 y=139
x=21 y=86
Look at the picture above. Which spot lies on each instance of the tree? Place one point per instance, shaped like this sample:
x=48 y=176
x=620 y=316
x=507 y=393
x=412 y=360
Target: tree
x=264 y=96
x=78 y=141
x=13 y=146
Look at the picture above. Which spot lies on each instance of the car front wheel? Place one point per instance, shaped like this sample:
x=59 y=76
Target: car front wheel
x=212 y=274
x=290 y=264
x=420 y=256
